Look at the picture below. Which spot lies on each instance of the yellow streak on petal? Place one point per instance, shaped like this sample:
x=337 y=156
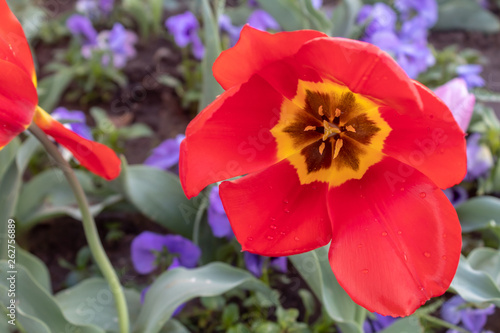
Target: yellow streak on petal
x=350 y=128
x=310 y=128
x=338 y=144
x=322 y=148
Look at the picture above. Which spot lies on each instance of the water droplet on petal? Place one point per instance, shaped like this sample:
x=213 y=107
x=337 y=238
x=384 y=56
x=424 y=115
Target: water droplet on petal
x=285 y=202
x=402 y=189
x=314 y=187
x=427 y=254
x=444 y=235
x=405 y=257
x=400 y=232
x=250 y=239
x=384 y=234
x=287 y=211
x=273 y=219
x=423 y=195
x=270 y=237
x=273 y=226
x=360 y=245
x=282 y=233
x=364 y=271
x=431 y=116
x=296 y=238
x=444 y=257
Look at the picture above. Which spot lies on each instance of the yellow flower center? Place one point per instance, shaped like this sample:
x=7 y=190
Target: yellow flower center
x=330 y=134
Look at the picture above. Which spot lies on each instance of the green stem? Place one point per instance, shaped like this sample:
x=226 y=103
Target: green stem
x=443 y=323
x=90 y=229
x=199 y=214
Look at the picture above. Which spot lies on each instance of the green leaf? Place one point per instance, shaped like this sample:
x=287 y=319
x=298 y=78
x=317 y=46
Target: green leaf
x=344 y=17
x=159 y=196
x=52 y=87
x=230 y=315
x=479 y=213
x=315 y=268
x=477 y=285
x=174 y=326
x=177 y=286
x=35 y=266
x=10 y=183
x=485 y=95
x=286 y=12
x=49 y=195
x=91 y=302
x=465 y=15
x=407 y=325
x=210 y=87
x=37 y=310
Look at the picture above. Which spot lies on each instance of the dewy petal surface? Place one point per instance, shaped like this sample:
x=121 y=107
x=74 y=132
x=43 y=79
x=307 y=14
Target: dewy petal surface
x=14 y=47
x=430 y=141
x=231 y=136
x=255 y=50
x=396 y=238
x=94 y=156
x=272 y=214
x=18 y=100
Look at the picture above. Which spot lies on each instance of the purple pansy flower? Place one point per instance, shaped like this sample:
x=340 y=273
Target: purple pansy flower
x=378 y=17
x=80 y=25
x=94 y=8
x=262 y=20
x=166 y=155
x=121 y=44
x=408 y=45
x=184 y=27
x=146 y=245
x=217 y=218
x=455 y=311
x=232 y=31
x=461 y=103
x=470 y=73
x=425 y=9
x=317 y=3
x=255 y=263
x=378 y=324
x=73 y=120
x=456 y=194
x=479 y=158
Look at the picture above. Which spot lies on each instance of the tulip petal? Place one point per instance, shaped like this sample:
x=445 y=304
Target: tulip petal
x=14 y=47
x=396 y=239
x=363 y=68
x=94 y=156
x=231 y=136
x=428 y=139
x=272 y=214
x=255 y=50
x=18 y=100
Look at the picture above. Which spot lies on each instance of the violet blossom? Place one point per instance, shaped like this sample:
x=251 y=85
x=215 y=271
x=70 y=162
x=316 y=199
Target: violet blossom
x=470 y=73
x=377 y=324
x=262 y=20
x=184 y=28
x=255 y=263
x=457 y=195
x=217 y=218
x=81 y=26
x=479 y=158
x=147 y=246
x=166 y=155
x=94 y=8
x=455 y=310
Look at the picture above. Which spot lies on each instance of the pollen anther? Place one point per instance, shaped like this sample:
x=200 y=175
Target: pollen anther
x=320 y=110
x=337 y=112
x=350 y=128
x=322 y=148
x=338 y=144
x=310 y=128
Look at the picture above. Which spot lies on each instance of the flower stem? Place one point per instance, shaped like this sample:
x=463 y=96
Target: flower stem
x=199 y=214
x=443 y=323
x=90 y=229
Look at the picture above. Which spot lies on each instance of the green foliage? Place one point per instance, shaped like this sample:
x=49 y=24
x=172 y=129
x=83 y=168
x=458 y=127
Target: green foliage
x=466 y=15
x=147 y=14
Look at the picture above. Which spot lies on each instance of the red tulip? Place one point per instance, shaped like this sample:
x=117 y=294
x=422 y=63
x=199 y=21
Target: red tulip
x=19 y=100
x=338 y=145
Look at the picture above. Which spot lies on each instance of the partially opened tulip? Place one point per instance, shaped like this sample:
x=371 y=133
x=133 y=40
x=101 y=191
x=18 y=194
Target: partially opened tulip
x=338 y=146
x=19 y=102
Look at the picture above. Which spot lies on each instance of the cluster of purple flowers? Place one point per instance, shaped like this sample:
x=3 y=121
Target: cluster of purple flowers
x=456 y=311
x=185 y=27
x=116 y=45
x=407 y=43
